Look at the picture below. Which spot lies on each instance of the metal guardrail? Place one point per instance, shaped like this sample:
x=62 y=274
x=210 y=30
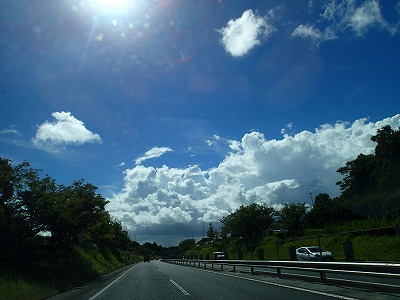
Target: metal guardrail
x=383 y=270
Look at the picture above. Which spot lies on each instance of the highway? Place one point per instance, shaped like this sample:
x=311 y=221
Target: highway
x=160 y=280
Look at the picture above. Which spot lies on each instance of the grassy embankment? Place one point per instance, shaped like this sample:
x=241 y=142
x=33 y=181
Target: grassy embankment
x=60 y=270
x=368 y=244
x=366 y=248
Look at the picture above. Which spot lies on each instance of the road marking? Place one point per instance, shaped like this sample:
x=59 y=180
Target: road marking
x=286 y=286
x=179 y=287
x=100 y=292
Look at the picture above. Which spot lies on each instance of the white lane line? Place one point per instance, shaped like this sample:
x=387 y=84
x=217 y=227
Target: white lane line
x=287 y=286
x=180 y=288
x=100 y=292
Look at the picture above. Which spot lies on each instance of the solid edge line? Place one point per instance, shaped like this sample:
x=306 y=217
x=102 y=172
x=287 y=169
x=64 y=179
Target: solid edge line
x=286 y=286
x=110 y=284
x=179 y=287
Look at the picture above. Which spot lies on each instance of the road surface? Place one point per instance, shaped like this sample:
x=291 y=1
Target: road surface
x=160 y=280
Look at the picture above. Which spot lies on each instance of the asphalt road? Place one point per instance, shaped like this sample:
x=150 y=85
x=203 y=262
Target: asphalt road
x=160 y=280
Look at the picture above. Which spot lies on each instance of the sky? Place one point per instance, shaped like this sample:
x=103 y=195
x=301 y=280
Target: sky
x=180 y=111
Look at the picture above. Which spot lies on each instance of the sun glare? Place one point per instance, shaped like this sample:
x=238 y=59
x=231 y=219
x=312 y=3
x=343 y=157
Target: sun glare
x=112 y=6
x=113 y=3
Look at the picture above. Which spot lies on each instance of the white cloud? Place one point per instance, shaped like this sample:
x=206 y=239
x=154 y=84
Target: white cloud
x=64 y=130
x=11 y=130
x=344 y=15
x=152 y=153
x=171 y=203
x=307 y=31
x=365 y=16
x=243 y=34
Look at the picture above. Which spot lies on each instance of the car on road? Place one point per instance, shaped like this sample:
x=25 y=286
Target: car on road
x=313 y=253
x=220 y=255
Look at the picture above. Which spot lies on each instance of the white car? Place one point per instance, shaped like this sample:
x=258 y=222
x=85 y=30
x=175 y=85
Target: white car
x=313 y=253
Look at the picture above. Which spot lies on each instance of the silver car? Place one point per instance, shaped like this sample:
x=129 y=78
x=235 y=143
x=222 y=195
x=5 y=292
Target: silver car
x=313 y=253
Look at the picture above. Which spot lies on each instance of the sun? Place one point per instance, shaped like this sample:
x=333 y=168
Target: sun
x=112 y=6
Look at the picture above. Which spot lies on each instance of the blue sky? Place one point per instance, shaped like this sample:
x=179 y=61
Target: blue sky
x=180 y=111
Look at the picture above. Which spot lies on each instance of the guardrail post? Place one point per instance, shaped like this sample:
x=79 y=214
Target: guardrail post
x=252 y=269
x=277 y=243
x=279 y=272
x=234 y=268
x=261 y=254
x=292 y=253
x=222 y=267
x=348 y=251
x=322 y=276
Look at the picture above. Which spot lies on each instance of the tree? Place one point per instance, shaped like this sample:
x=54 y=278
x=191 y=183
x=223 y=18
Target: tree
x=387 y=156
x=358 y=177
x=17 y=220
x=187 y=244
x=72 y=214
x=292 y=217
x=248 y=222
x=79 y=211
x=211 y=232
x=324 y=210
x=370 y=186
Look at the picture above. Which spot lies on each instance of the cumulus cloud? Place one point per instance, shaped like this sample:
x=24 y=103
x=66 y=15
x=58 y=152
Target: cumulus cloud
x=243 y=34
x=64 y=130
x=152 y=153
x=344 y=15
x=170 y=204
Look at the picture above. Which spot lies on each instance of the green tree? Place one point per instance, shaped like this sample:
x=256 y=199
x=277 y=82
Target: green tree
x=248 y=222
x=387 y=156
x=292 y=217
x=187 y=245
x=79 y=211
x=324 y=210
x=211 y=232
x=358 y=175
x=370 y=186
x=30 y=205
x=17 y=220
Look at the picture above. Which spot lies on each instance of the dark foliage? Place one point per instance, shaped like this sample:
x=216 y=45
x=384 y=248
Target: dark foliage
x=248 y=222
x=31 y=206
x=371 y=183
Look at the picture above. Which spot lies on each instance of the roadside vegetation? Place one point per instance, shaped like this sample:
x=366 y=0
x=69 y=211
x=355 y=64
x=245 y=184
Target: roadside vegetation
x=371 y=245
x=55 y=236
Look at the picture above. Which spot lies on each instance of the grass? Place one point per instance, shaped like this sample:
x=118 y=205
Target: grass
x=44 y=278
x=16 y=288
x=370 y=246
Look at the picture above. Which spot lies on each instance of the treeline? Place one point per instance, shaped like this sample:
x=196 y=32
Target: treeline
x=35 y=210
x=370 y=189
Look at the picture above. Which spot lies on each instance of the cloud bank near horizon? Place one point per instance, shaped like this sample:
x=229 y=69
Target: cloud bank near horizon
x=170 y=204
